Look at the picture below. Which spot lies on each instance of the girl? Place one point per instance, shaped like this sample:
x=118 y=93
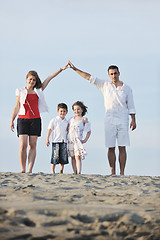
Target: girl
x=77 y=125
x=30 y=103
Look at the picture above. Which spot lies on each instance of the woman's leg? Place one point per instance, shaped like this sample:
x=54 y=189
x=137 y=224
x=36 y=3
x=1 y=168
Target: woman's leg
x=74 y=165
x=78 y=164
x=32 y=152
x=23 y=142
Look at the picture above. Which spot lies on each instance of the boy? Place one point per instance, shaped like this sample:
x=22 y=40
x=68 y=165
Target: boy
x=58 y=128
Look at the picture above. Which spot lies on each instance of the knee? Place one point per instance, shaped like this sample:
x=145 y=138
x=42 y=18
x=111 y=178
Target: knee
x=122 y=149
x=32 y=146
x=23 y=147
x=111 y=150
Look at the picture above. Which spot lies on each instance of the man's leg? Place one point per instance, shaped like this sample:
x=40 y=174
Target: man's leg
x=112 y=160
x=122 y=159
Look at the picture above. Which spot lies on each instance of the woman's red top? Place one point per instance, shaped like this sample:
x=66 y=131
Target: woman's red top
x=31 y=107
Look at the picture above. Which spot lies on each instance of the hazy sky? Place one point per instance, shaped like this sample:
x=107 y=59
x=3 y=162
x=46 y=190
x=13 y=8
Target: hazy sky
x=43 y=34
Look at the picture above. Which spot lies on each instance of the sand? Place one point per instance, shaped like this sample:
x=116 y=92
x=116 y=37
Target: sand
x=65 y=206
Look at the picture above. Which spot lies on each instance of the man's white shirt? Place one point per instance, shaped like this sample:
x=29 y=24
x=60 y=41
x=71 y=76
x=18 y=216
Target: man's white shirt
x=118 y=101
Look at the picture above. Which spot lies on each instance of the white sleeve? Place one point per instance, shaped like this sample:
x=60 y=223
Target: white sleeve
x=51 y=124
x=97 y=82
x=130 y=102
x=17 y=92
x=87 y=127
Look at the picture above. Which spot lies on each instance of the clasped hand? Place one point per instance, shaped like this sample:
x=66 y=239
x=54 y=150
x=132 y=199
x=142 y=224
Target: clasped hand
x=69 y=64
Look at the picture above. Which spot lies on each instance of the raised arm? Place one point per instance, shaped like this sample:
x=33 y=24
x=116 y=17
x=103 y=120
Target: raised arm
x=80 y=72
x=51 y=76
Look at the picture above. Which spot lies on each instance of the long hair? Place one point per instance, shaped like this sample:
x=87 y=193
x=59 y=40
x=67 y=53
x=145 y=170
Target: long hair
x=38 y=81
x=80 y=104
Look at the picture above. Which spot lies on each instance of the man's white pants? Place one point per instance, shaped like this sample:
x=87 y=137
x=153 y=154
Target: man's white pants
x=116 y=132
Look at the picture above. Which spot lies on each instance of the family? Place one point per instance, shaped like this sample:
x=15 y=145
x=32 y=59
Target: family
x=67 y=136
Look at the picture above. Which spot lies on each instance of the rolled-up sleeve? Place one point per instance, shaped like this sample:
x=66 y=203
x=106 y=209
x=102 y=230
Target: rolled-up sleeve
x=97 y=82
x=92 y=79
x=130 y=102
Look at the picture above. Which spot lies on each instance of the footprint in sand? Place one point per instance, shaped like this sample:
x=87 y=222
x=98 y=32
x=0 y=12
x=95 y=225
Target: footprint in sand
x=83 y=218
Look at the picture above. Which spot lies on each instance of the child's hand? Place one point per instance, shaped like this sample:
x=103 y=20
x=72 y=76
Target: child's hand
x=47 y=143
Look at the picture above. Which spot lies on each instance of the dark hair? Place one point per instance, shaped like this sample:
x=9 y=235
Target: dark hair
x=113 y=67
x=80 y=104
x=62 y=105
x=38 y=81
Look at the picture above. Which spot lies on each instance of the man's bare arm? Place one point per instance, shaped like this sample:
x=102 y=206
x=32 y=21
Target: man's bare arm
x=80 y=72
x=133 y=122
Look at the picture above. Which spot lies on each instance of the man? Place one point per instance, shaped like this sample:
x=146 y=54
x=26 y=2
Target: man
x=119 y=104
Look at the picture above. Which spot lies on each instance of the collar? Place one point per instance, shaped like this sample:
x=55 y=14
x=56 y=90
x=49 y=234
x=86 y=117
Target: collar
x=60 y=119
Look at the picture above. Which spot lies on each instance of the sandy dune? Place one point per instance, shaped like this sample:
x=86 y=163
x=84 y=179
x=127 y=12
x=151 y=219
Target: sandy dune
x=64 y=206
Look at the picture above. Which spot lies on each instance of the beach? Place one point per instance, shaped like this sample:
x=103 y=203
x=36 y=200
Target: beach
x=67 y=206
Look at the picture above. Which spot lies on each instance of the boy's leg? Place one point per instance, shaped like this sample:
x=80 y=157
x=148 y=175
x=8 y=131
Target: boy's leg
x=54 y=157
x=61 y=168
x=74 y=165
x=53 y=168
x=63 y=156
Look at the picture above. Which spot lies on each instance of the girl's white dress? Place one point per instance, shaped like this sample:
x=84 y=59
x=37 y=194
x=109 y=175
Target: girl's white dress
x=75 y=135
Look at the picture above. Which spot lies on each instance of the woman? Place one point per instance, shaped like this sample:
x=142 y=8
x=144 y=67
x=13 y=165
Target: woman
x=30 y=103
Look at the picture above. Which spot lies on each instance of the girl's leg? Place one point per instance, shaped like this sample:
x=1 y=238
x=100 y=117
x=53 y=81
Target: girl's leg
x=61 y=168
x=74 y=165
x=53 y=168
x=32 y=152
x=78 y=164
x=23 y=142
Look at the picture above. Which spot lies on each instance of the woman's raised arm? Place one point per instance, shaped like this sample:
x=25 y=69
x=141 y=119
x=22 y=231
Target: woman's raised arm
x=51 y=76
